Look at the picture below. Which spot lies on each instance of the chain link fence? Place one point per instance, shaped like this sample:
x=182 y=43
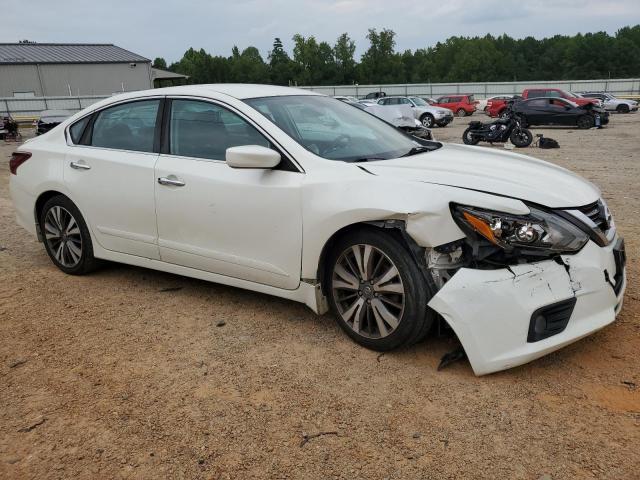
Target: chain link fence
x=620 y=87
x=31 y=107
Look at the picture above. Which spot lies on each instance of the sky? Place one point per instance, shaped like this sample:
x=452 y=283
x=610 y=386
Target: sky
x=167 y=28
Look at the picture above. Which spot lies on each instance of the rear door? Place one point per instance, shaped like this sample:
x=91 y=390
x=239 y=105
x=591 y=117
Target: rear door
x=242 y=223
x=443 y=102
x=110 y=175
x=535 y=111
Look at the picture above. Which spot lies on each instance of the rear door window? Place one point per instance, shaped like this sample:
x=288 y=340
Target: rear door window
x=129 y=126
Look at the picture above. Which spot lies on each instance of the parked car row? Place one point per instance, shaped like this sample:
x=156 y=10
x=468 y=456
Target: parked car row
x=428 y=115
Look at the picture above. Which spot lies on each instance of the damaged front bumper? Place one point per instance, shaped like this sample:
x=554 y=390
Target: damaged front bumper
x=498 y=315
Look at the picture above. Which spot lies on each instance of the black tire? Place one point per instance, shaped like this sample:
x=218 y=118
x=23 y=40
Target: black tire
x=522 y=138
x=622 y=108
x=86 y=262
x=415 y=319
x=427 y=120
x=585 y=122
x=503 y=113
x=469 y=139
x=461 y=112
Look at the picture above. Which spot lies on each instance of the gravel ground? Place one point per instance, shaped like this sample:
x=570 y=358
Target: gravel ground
x=111 y=376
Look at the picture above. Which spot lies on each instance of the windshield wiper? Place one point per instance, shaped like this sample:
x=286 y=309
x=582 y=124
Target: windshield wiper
x=365 y=159
x=416 y=150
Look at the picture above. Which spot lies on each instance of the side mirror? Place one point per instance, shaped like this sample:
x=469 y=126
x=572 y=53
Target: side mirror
x=252 y=156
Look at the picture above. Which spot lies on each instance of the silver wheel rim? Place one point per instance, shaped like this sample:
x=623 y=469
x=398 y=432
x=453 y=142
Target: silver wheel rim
x=368 y=291
x=63 y=237
x=461 y=113
x=426 y=121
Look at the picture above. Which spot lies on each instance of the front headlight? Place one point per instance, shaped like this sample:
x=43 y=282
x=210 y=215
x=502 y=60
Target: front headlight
x=539 y=230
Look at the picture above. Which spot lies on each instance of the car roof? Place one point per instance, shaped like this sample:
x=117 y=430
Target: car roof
x=240 y=91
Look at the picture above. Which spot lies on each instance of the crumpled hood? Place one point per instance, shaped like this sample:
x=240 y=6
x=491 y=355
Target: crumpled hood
x=489 y=170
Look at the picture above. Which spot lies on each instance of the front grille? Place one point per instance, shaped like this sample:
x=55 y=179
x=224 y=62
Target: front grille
x=550 y=320
x=597 y=213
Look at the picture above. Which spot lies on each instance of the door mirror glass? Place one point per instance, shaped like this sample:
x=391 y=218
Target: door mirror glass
x=252 y=156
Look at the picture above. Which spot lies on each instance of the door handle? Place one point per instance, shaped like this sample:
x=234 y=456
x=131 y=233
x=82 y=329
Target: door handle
x=173 y=182
x=80 y=166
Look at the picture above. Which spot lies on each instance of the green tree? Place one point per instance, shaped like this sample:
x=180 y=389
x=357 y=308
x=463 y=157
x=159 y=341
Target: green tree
x=281 y=66
x=248 y=66
x=159 y=62
x=343 y=52
x=380 y=63
x=456 y=59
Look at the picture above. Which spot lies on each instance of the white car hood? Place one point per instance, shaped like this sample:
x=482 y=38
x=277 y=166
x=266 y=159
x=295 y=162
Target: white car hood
x=487 y=170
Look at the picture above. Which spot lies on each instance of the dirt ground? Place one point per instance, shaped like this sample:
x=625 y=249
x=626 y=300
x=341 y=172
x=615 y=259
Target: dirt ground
x=111 y=376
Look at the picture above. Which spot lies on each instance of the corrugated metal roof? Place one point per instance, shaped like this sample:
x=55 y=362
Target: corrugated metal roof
x=159 y=74
x=25 y=53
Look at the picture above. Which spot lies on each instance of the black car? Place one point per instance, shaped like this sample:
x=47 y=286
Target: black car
x=558 y=111
x=51 y=118
x=375 y=95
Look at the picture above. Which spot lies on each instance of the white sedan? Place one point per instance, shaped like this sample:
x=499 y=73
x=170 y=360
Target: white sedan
x=298 y=195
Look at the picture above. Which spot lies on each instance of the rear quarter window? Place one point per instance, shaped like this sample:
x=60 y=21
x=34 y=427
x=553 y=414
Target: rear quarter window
x=76 y=130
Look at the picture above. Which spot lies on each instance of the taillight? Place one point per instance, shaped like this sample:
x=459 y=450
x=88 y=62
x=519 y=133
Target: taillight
x=17 y=159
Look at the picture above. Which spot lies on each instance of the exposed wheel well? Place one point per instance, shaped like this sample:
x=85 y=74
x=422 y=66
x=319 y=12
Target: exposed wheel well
x=393 y=227
x=42 y=199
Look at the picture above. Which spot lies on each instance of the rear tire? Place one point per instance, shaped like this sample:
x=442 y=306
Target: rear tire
x=469 y=139
x=427 y=120
x=585 y=122
x=377 y=291
x=522 y=138
x=66 y=237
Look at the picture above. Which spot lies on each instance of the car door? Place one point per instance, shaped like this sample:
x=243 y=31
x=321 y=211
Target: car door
x=535 y=111
x=242 y=223
x=443 y=102
x=564 y=113
x=110 y=175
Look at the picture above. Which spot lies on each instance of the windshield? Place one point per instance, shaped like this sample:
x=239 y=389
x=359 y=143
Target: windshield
x=419 y=101
x=568 y=94
x=334 y=130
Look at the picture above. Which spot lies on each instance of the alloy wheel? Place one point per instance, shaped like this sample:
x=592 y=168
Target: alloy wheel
x=368 y=291
x=63 y=237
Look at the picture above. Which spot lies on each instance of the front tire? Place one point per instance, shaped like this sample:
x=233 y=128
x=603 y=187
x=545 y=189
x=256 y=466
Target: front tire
x=376 y=290
x=585 y=122
x=468 y=138
x=427 y=120
x=622 y=108
x=521 y=138
x=461 y=112
x=66 y=236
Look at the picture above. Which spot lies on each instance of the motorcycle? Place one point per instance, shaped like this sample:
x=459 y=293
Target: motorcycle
x=506 y=128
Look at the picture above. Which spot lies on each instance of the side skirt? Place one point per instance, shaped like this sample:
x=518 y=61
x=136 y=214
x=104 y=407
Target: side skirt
x=307 y=293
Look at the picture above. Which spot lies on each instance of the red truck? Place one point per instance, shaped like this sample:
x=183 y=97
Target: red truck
x=496 y=108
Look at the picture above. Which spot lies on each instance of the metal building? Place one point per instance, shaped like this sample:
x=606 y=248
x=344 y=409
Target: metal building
x=48 y=69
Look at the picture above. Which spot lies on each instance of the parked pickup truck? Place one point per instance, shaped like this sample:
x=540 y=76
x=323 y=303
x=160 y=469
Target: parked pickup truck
x=497 y=108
